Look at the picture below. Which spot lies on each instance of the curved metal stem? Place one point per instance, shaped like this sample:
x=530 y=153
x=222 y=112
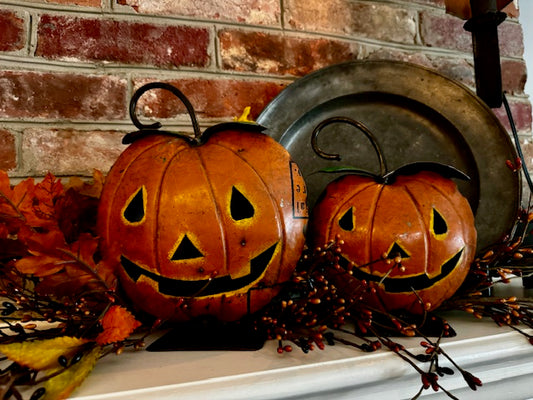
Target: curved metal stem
x=356 y=124
x=157 y=125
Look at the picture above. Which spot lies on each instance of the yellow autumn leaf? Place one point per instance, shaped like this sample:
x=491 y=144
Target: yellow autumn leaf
x=42 y=354
x=60 y=387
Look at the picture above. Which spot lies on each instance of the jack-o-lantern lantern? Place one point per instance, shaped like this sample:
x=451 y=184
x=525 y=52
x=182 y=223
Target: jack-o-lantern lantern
x=409 y=233
x=203 y=224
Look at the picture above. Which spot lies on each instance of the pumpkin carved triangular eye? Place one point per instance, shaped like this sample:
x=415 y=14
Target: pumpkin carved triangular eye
x=134 y=211
x=346 y=222
x=397 y=250
x=438 y=223
x=186 y=250
x=240 y=206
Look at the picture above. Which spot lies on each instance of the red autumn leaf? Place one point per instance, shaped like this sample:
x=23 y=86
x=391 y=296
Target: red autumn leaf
x=22 y=197
x=56 y=233
x=76 y=213
x=9 y=200
x=45 y=195
x=39 y=242
x=117 y=323
x=57 y=263
x=28 y=203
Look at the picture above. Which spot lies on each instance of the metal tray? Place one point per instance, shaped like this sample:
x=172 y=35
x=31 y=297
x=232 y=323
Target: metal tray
x=415 y=114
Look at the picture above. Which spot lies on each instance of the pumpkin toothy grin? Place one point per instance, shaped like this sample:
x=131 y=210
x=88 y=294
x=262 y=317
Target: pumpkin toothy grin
x=409 y=283
x=203 y=287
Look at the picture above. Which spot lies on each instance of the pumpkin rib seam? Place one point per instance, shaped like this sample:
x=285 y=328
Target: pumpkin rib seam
x=427 y=233
x=280 y=220
x=118 y=185
x=158 y=201
x=224 y=233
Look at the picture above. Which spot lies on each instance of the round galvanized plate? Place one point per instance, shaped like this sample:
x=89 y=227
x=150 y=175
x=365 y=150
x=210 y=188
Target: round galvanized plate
x=415 y=114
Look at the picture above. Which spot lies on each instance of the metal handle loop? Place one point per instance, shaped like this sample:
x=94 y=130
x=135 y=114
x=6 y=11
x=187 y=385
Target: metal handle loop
x=162 y=85
x=356 y=124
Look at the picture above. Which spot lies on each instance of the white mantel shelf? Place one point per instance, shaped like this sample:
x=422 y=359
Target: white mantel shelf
x=500 y=357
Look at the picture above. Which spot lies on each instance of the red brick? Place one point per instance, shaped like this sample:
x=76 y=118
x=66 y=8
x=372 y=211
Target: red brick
x=438 y=3
x=277 y=54
x=69 y=152
x=119 y=41
x=252 y=12
x=8 y=154
x=444 y=31
x=457 y=69
x=58 y=95
x=12 y=31
x=511 y=39
x=514 y=76
x=521 y=112
x=385 y=22
x=211 y=98
x=87 y=3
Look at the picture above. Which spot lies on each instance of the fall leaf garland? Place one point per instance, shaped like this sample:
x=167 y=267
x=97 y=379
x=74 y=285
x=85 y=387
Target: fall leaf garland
x=60 y=310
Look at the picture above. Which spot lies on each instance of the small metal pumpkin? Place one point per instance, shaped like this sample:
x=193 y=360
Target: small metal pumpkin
x=203 y=224
x=414 y=215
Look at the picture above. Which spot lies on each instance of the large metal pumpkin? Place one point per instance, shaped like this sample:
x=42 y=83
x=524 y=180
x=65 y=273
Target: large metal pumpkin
x=204 y=225
x=409 y=234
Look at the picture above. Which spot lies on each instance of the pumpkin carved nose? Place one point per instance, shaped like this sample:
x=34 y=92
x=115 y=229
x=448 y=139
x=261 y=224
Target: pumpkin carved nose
x=186 y=250
x=397 y=250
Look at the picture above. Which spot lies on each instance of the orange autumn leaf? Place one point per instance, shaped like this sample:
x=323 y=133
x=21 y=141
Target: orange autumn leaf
x=45 y=195
x=11 y=199
x=44 y=258
x=91 y=189
x=29 y=203
x=40 y=266
x=57 y=262
x=40 y=242
x=117 y=323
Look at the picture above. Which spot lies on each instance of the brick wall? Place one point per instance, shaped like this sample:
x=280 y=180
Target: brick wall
x=69 y=67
